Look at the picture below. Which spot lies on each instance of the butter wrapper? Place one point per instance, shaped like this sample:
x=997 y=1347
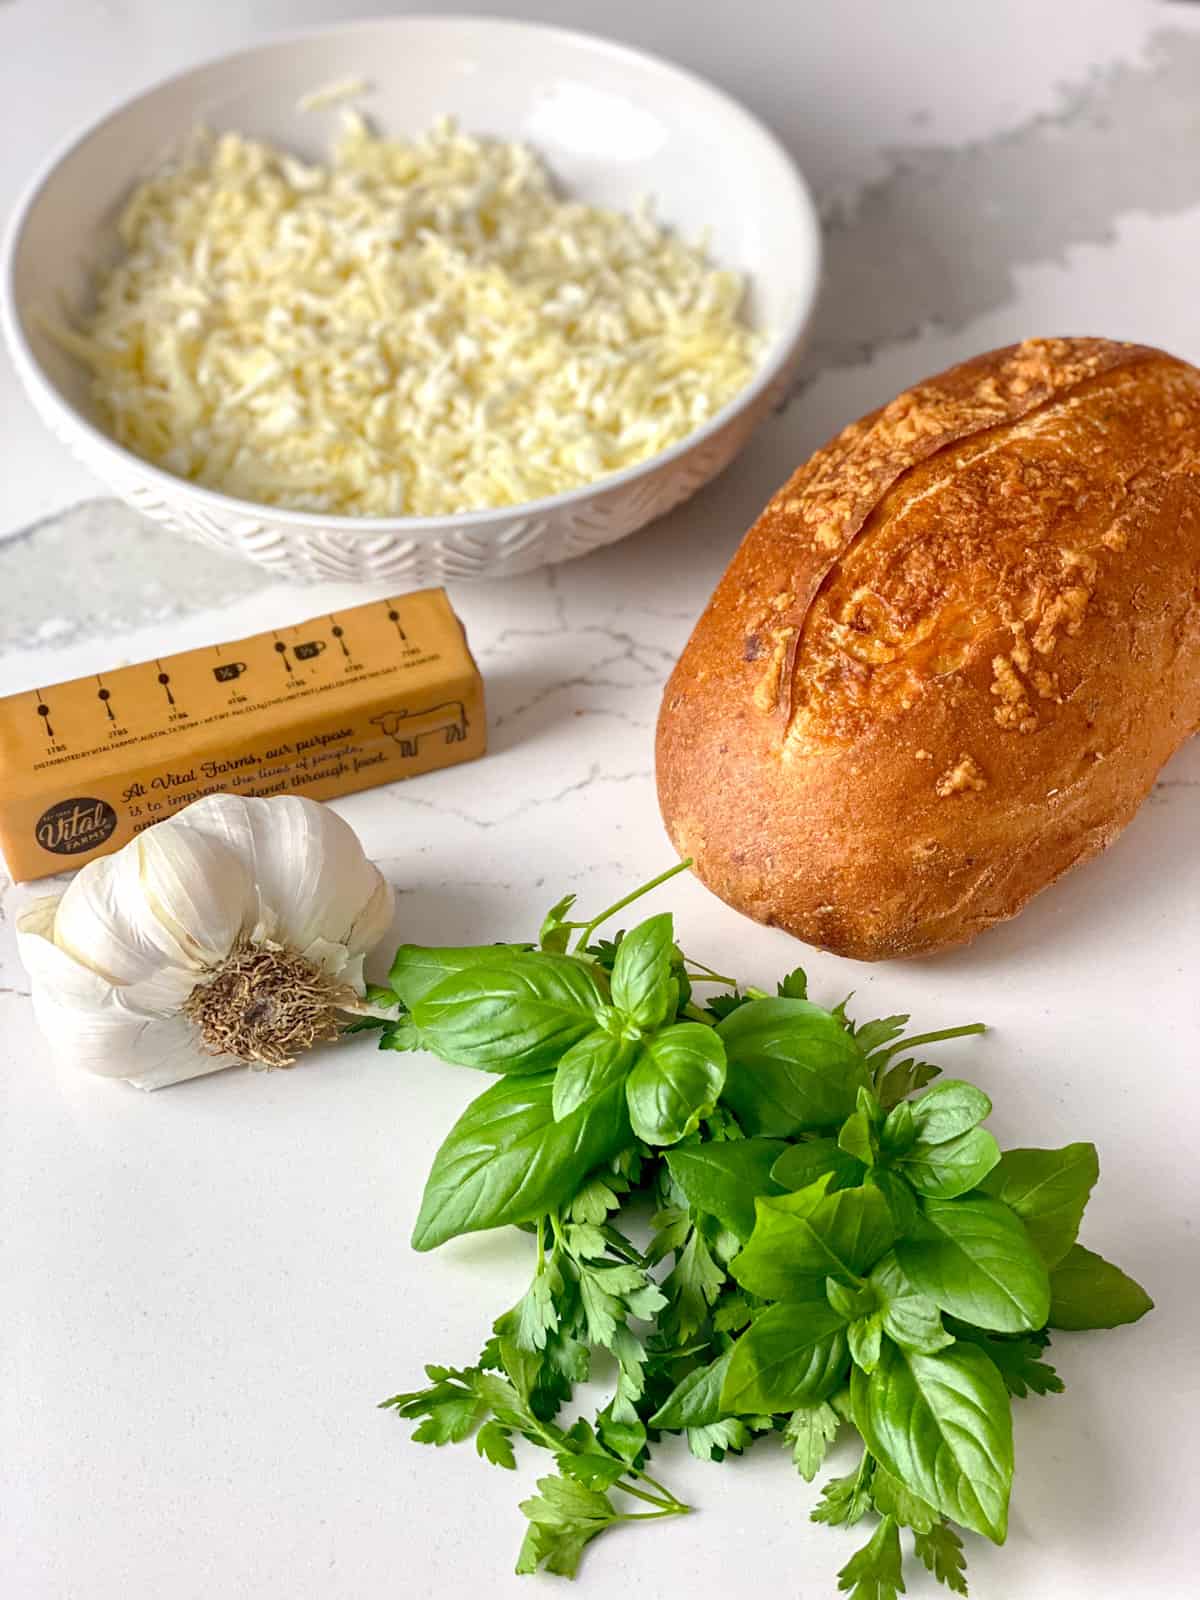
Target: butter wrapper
x=342 y=702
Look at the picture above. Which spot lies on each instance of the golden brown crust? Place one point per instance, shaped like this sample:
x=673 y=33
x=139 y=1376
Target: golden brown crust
x=949 y=658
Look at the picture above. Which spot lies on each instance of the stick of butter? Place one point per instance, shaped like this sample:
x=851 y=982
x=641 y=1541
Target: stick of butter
x=341 y=702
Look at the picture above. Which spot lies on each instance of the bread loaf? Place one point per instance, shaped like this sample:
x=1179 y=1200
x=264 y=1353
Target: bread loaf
x=949 y=658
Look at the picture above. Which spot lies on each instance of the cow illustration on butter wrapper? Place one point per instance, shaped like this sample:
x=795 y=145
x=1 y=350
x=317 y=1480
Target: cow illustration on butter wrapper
x=408 y=728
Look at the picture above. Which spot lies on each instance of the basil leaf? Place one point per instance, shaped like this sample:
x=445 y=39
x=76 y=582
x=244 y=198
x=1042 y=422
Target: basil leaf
x=642 y=985
x=1088 y=1292
x=850 y=1303
x=724 y=1179
x=517 y=1012
x=948 y=1109
x=695 y=1402
x=793 y=1067
x=902 y=1202
x=507 y=1160
x=1048 y=1189
x=865 y=1338
x=911 y=1319
x=973 y=1258
x=944 y=1171
x=799 y=1237
x=676 y=1080
x=855 y=1138
x=791 y=1355
x=590 y=1066
x=899 y=1130
x=802 y=1164
x=942 y=1425
x=417 y=968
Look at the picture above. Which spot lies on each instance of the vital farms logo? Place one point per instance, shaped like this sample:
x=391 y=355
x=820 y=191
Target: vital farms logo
x=70 y=827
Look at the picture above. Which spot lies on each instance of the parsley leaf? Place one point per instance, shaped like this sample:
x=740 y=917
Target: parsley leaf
x=1018 y=1358
x=692 y=1286
x=895 y=1499
x=449 y=1407
x=724 y=1005
x=895 y=1083
x=562 y=1519
x=873 y=1573
x=845 y=1501
x=715 y=1440
x=811 y=1430
x=494 y=1444
x=942 y=1553
x=794 y=986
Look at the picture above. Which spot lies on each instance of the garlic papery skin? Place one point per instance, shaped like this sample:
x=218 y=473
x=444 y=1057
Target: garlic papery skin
x=231 y=933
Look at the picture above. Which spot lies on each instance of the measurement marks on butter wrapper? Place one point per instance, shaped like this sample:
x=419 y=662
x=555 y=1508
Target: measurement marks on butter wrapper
x=309 y=658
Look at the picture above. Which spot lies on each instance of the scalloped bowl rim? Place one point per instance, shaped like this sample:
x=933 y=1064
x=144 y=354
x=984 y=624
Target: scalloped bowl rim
x=782 y=347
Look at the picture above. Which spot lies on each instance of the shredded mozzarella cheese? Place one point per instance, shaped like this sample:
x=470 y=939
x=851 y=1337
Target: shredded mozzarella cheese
x=418 y=328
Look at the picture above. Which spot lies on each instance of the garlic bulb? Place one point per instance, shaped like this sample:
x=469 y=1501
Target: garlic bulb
x=231 y=933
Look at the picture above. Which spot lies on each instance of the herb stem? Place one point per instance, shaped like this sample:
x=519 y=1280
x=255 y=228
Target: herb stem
x=623 y=1247
x=706 y=974
x=640 y=1494
x=927 y=1038
x=694 y=1014
x=647 y=1516
x=645 y=1477
x=626 y=900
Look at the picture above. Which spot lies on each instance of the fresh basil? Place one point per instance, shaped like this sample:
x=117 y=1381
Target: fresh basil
x=676 y=1080
x=1048 y=1189
x=899 y=1129
x=901 y=1200
x=973 y=1258
x=417 y=968
x=517 y=1012
x=865 y=1339
x=850 y=1301
x=941 y=1424
x=590 y=1066
x=792 y=1354
x=1088 y=1292
x=723 y=1180
x=948 y=1109
x=857 y=1138
x=695 y=1402
x=910 y=1318
x=507 y=1160
x=642 y=985
x=955 y=1166
x=802 y=1164
x=793 y=1067
x=813 y=1235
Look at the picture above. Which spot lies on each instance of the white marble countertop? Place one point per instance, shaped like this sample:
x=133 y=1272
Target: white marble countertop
x=205 y=1291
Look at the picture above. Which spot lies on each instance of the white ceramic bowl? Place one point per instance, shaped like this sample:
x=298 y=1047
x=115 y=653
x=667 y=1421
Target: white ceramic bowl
x=612 y=124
